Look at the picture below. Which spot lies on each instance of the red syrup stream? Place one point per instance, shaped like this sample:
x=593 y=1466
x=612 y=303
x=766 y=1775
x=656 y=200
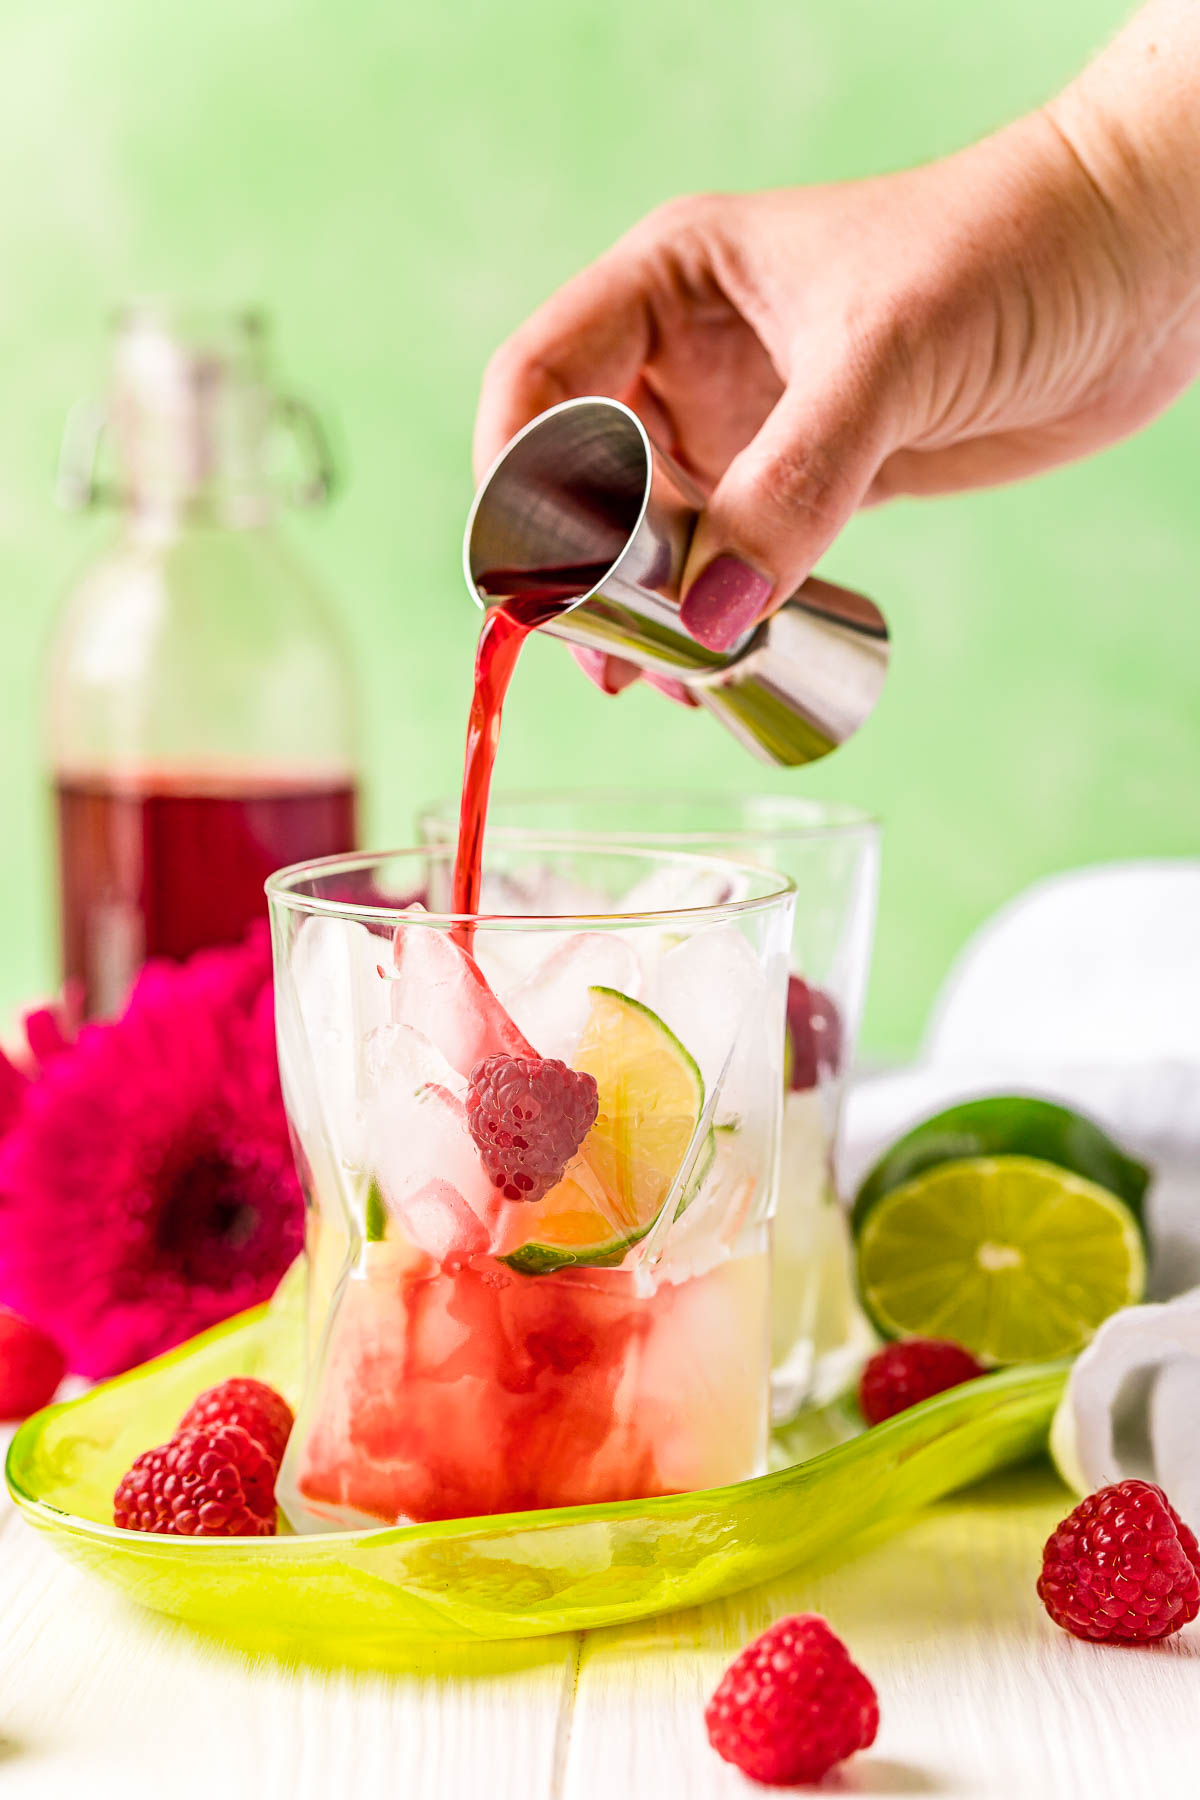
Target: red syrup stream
x=540 y=594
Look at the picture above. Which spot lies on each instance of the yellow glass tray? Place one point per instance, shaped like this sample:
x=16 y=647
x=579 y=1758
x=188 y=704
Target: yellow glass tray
x=520 y=1575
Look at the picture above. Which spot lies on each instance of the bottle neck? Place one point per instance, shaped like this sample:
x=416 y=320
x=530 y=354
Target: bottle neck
x=191 y=435
x=193 y=431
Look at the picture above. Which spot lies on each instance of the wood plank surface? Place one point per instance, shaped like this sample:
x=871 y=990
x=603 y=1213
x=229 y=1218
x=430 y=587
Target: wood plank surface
x=102 y=1700
x=981 y=1696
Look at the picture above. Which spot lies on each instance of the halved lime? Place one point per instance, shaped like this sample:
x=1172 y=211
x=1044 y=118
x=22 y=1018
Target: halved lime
x=1007 y=1125
x=1015 y=1258
x=651 y=1098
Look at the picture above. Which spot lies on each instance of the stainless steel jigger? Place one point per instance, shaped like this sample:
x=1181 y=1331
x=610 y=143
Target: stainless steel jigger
x=583 y=508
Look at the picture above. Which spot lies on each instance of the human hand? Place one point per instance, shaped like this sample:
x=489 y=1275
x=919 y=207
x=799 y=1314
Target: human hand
x=808 y=351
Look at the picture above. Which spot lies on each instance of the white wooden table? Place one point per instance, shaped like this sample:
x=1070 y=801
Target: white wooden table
x=980 y=1694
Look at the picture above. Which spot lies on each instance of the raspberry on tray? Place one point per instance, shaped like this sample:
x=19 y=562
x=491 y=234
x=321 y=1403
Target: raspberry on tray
x=215 y=1482
x=241 y=1400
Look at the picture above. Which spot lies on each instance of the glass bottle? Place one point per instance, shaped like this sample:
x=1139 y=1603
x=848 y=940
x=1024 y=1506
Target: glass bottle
x=201 y=716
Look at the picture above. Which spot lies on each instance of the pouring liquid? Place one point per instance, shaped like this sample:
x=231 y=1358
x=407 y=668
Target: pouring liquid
x=531 y=598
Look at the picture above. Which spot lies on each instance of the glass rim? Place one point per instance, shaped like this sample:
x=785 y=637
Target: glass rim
x=836 y=818
x=280 y=894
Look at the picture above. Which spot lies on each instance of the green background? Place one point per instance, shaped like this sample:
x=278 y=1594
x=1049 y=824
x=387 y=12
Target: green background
x=399 y=184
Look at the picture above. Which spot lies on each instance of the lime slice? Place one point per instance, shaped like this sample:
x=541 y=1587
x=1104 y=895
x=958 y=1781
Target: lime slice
x=651 y=1098
x=1007 y=1125
x=1014 y=1258
x=572 y=1225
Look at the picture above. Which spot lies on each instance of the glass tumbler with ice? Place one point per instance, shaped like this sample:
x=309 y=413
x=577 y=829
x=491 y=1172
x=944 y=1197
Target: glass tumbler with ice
x=539 y=1151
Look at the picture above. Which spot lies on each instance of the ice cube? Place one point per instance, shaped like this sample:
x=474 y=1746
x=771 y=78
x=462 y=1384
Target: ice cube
x=335 y=998
x=438 y=990
x=540 y=891
x=438 y=1219
x=671 y=888
x=712 y=991
x=708 y=1228
x=507 y=957
x=552 y=1004
x=415 y=1144
x=684 y=885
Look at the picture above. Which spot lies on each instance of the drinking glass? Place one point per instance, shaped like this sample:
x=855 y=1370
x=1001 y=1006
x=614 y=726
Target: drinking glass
x=540 y=1174
x=831 y=852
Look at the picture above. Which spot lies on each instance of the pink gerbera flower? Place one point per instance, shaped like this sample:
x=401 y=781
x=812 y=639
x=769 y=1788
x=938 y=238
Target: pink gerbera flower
x=147 y=1188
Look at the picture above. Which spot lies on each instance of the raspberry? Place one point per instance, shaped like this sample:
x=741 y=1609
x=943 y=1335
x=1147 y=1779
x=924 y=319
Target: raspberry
x=528 y=1117
x=1123 y=1568
x=792 y=1704
x=251 y=1404
x=214 y=1482
x=900 y=1375
x=813 y=1046
x=31 y=1367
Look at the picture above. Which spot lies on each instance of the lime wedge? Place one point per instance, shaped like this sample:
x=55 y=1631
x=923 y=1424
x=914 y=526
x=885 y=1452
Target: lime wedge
x=1012 y=1257
x=573 y=1225
x=651 y=1098
x=1007 y=1125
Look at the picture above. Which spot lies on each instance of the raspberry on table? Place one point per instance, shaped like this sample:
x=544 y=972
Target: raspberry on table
x=213 y=1482
x=31 y=1367
x=792 y=1705
x=1123 y=1568
x=251 y=1404
x=528 y=1117
x=900 y=1375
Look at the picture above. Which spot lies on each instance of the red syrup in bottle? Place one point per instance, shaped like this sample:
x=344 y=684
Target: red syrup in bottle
x=163 y=865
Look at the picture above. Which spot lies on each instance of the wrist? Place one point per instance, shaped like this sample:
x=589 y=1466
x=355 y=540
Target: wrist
x=1132 y=123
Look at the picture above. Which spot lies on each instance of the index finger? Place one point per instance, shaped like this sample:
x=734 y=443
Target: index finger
x=591 y=337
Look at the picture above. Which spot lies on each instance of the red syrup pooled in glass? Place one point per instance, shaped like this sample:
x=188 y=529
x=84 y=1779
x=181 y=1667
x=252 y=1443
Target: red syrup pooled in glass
x=532 y=597
x=163 y=865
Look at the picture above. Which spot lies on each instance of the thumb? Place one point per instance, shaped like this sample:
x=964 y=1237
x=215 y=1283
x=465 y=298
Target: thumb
x=780 y=504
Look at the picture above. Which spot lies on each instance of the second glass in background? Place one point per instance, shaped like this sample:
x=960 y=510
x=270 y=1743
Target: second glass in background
x=831 y=853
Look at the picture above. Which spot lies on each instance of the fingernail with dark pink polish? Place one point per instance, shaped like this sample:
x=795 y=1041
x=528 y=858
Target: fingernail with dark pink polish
x=724 y=601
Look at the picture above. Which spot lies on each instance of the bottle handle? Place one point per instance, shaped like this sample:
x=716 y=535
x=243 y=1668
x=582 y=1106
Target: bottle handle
x=319 y=476
x=77 y=486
